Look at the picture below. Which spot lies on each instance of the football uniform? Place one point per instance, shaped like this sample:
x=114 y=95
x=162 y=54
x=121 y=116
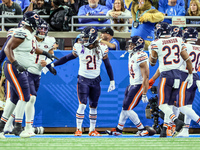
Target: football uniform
x=45 y=45
x=186 y=96
x=134 y=91
x=168 y=52
x=89 y=72
x=19 y=81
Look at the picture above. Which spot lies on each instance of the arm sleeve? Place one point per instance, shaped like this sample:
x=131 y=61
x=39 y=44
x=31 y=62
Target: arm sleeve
x=108 y=68
x=64 y=59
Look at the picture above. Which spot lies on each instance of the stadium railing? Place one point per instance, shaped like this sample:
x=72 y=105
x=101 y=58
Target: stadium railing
x=73 y=34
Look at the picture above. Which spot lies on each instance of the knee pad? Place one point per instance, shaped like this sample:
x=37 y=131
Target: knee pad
x=81 y=108
x=184 y=109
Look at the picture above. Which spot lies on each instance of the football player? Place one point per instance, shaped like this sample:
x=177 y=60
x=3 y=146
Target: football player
x=139 y=82
x=169 y=51
x=91 y=54
x=186 y=95
x=19 y=57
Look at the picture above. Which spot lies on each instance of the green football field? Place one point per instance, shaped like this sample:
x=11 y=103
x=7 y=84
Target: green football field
x=127 y=142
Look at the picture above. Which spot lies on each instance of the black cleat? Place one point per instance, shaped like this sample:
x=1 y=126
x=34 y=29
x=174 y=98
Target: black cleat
x=2 y=124
x=179 y=126
x=17 y=129
x=163 y=133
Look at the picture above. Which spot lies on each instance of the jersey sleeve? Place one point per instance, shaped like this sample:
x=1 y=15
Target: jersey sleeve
x=22 y=34
x=10 y=32
x=78 y=48
x=51 y=42
x=183 y=46
x=104 y=49
x=154 y=46
x=141 y=57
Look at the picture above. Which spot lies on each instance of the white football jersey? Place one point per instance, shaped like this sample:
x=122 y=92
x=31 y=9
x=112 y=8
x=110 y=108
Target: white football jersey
x=22 y=52
x=135 y=76
x=11 y=32
x=168 y=51
x=45 y=45
x=194 y=53
x=89 y=61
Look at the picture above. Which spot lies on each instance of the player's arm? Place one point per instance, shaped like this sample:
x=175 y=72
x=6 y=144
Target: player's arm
x=11 y=45
x=153 y=79
x=153 y=58
x=145 y=74
x=41 y=52
x=109 y=72
x=110 y=45
x=187 y=59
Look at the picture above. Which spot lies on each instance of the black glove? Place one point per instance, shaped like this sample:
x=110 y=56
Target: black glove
x=51 y=69
x=49 y=55
x=18 y=67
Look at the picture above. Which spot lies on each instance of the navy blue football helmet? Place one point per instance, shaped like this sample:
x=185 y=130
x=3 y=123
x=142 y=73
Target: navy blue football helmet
x=90 y=33
x=162 y=29
x=32 y=19
x=42 y=29
x=177 y=31
x=190 y=34
x=138 y=44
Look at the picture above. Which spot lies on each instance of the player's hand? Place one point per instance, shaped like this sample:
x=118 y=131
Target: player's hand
x=144 y=98
x=111 y=86
x=49 y=55
x=43 y=63
x=51 y=69
x=189 y=80
x=18 y=67
x=151 y=82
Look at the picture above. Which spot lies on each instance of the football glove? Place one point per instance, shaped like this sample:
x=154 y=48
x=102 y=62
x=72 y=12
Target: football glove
x=144 y=98
x=189 y=80
x=111 y=86
x=51 y=69
x=18 y=67
x=49 y=55
x=151 y=82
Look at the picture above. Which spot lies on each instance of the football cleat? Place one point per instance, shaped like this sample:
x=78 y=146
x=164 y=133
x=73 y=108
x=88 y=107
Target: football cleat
x=184 y=133
x=151 y=130
x=169 y=131
x=78 y=133
x=94 y=133
x=27 y=133
x=38 y=130
x=173 y=128
x=179 y=126
x=17 y=129
x=142 y=133
x=2 y=135
x=8 y=129
x=163 y=133
x=113 y=132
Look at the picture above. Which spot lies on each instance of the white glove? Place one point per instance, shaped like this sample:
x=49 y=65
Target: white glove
x=144 y=98
x=111 y=86
x=45 y=70
x=198 y=84
x=189 y=80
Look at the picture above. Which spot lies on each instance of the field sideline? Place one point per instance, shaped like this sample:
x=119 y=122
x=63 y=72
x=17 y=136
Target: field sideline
x=85 y=142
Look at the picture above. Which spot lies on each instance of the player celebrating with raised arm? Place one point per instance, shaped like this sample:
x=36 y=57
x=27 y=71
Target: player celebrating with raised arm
x=169 y=50
x=90 y=53
x=19 y=50
x=139 y=82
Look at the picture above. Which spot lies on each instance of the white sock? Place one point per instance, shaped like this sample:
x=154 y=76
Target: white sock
x=135 y=119
x=176 y=110
x=190 y=113
x=80 y=116
x=19 y=111
x=168 y=112
x=122 y=119
x=93 y=118
x=11 y=119
x=30 y=112
x=8 y=110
